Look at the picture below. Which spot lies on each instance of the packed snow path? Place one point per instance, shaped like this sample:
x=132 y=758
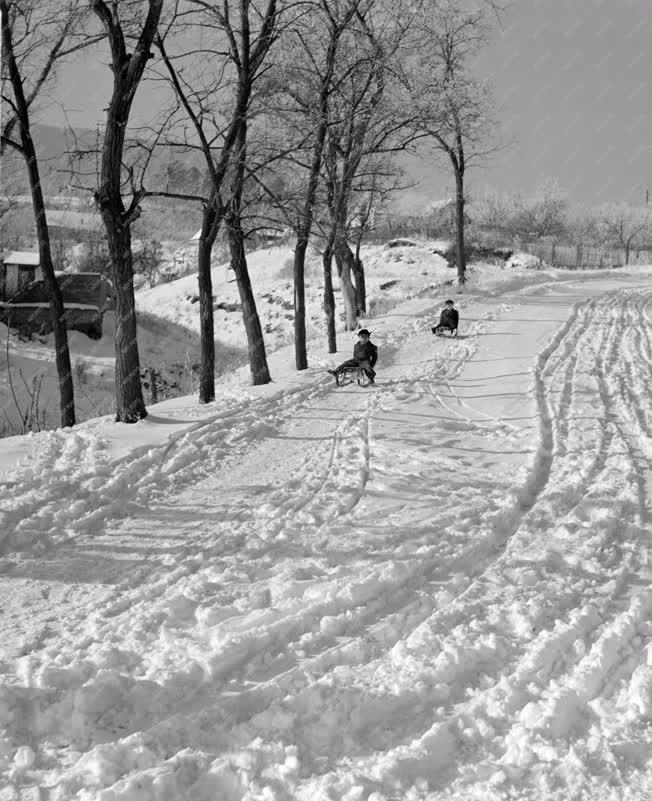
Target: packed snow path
x=437 y=588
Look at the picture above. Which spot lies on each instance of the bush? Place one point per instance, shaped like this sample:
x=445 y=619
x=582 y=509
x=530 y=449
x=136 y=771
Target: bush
x=80 y=371
x=397 y=243
x=474 y=252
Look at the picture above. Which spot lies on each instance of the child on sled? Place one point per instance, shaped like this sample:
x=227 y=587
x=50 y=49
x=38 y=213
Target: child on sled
x=448 y=319
x=365 y=356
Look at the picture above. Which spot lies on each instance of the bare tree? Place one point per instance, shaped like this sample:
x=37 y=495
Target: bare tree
x=34 y=37
x=248 y=54
x=368 y=119
x=202 y=80
x=454 y=108
x=581 y=227
x=356 y=102
x=127 y=71
x=492 y=215
x=335 y=108
x=541 y=216
x=316 y=62
x=318 y=44
x=623 y=224
x=377 y=180
x=194 y=98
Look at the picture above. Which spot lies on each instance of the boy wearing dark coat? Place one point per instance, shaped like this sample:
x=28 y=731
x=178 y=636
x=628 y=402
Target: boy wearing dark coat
x=365 y=355
x=448 y=319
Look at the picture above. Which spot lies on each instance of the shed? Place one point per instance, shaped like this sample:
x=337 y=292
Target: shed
x=18 y=269
x=86 y=297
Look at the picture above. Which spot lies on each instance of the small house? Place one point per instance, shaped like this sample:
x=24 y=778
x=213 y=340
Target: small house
x=18 y=269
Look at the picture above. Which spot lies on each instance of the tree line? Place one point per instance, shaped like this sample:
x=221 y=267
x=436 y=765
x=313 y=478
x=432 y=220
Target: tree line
x=548 y=216
x=296 y=111
x=545 y=218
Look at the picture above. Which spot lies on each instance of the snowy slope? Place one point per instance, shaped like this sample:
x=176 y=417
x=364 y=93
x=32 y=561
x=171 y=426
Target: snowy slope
x=168 y=329
x=436 y=589
x=409 y=268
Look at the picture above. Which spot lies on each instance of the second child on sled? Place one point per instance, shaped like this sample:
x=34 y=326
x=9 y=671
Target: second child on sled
x=448 y=320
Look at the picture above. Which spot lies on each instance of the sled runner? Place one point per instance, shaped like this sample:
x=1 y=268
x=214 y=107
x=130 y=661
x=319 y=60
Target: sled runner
x=355 y=373
x=441 y=329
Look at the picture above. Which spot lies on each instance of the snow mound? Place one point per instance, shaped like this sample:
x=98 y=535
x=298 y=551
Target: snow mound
x=524 y=261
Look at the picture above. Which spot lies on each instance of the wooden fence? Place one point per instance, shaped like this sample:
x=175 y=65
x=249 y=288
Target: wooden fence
x=583 y=257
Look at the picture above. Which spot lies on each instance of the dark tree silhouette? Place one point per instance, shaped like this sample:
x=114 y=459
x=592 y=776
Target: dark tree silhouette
x=127 y=71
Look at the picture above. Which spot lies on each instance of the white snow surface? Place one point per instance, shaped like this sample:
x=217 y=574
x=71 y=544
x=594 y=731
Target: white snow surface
x=438 y=588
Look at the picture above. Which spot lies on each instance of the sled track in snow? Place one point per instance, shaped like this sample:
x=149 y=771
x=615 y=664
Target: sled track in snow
x=116 y=488
x=620 y=378
x=459 y=667
x=608 y=630
x=471 y=600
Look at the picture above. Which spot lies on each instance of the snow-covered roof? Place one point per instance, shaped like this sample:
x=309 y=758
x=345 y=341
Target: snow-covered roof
x=41 y=305
x=26 y=258
x=438 y=205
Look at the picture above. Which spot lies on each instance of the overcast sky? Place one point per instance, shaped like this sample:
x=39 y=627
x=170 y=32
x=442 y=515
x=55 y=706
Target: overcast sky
x=573 y=86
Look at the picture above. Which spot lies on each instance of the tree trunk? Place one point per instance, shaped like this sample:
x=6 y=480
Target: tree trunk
x=57 y=312
x=345 y=261
x=303 y=236
x=127 y=71
x=360 y=283
x=255 y=342
x=305 y=225
x=210 y=227
x=459 y=227
x=300 y=353
x=329 y=298
x=130 y=406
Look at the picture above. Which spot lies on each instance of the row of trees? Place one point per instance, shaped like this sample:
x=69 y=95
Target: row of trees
x=296 y=109
x=549 y=216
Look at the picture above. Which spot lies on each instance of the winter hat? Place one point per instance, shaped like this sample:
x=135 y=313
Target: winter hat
x=364 y=331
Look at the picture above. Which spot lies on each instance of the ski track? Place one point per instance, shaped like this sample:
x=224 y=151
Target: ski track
x=301 y=647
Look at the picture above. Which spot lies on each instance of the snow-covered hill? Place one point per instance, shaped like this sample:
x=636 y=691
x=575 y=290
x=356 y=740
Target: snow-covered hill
x=436 y=589
x=168 y=329
x=409 y=269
